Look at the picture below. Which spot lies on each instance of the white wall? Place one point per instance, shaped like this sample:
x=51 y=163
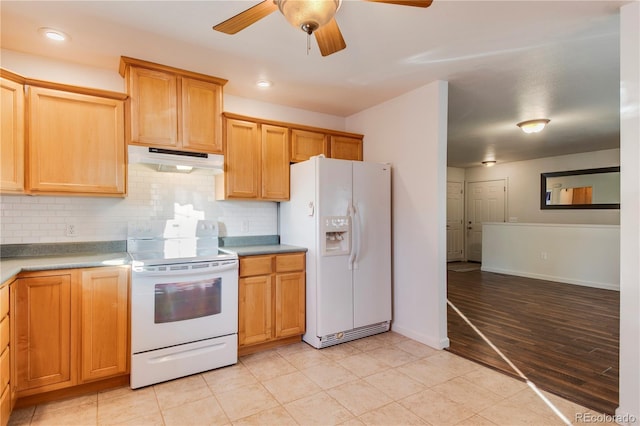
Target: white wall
x=523 y=196
x=630 y=203
x=455 y=174
x=152 y=195
x=410 y=132
x=586 y=255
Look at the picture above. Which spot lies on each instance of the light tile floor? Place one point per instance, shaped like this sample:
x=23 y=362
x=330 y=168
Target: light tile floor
x=386 y=379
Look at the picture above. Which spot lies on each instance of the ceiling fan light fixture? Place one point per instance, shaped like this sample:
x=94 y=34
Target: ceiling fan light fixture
x=533 y=126
x=308 y=15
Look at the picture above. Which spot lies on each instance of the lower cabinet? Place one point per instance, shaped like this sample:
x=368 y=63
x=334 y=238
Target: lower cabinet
x=5 y=356
x=70 y=327
x=271 y=308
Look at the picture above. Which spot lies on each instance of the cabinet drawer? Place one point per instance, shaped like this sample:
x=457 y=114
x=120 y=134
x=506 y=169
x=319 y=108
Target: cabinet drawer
x=290 y=262
x=256 y=265
x=4 y=301
x=4 y=368
x=4 y=333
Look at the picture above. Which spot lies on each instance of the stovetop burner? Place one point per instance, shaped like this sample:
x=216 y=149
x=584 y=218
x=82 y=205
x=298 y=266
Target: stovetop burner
x=159 y=242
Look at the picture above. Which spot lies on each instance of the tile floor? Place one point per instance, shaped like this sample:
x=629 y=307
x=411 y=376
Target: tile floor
x=386 y=379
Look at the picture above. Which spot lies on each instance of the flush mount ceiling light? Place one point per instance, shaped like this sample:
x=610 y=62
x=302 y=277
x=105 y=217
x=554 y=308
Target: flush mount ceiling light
x=533 y=126
x=489 y=163
x=264 y=83
x=53 y=34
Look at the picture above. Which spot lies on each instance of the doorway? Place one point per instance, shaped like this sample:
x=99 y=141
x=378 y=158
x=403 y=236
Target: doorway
x=485 y=203
x=455 y=221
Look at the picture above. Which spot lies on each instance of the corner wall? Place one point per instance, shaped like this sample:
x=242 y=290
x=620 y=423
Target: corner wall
x=630 y=203
x=410 y=132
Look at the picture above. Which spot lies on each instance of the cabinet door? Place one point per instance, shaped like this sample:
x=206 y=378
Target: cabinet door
x=346 y=148
x=242 y=159
x=12 y=137
x=104 y=322
x=305 y=144
x=76 y=143
x=275 y=162
x=42 y=321
x=290 y=304
x=254 y=310
x=201 y=119
x=154 y=111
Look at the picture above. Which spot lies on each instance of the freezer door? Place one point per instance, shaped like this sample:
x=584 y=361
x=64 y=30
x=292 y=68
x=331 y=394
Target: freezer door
x=334 y=289
x=371 y=243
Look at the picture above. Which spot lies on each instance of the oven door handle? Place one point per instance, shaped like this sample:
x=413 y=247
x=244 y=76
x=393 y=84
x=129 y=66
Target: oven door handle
x=186 y=272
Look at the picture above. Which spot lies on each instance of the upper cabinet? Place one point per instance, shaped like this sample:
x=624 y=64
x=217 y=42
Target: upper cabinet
x=306 y=144
x=61 y=139
x=173 y=108
x=330 y=143
x=256 y=161
x=346 y=147
x=12 y=136
x=75 y=143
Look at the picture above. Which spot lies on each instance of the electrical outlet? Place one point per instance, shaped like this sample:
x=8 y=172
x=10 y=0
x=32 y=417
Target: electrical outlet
x=70 y=230
x=544 y=255
x=245 y=226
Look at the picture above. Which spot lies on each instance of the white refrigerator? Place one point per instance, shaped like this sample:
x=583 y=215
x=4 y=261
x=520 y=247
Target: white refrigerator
x=341 y=212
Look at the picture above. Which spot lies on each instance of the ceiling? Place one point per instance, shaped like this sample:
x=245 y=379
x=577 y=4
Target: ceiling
x=505 y=61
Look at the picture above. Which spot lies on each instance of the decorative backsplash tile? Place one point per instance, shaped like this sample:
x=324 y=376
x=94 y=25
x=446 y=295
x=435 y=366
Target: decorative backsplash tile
x=152 y=195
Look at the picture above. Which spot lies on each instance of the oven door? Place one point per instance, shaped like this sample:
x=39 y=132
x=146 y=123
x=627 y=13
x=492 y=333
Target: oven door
x=182 y=303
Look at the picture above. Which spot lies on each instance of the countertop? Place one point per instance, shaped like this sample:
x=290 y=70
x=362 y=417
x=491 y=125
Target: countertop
x=12 y=266
x=252 y=250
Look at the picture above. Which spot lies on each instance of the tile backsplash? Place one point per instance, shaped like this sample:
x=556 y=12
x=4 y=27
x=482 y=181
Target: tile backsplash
x=151 y=195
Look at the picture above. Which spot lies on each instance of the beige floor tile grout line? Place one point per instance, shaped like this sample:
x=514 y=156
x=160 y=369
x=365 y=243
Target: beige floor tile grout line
x=529 y=383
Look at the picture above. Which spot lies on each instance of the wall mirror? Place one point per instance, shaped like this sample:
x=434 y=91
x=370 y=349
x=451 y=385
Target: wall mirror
x=581 y=189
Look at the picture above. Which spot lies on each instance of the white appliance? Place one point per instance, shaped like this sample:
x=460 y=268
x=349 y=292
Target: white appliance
x=184 y=300
x=341 y=211
x=169 y=160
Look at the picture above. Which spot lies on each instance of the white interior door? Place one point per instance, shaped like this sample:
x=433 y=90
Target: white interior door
x=485 y=203
x=455 y=218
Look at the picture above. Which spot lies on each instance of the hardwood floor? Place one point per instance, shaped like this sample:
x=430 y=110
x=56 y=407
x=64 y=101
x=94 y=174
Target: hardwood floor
x=563 y=337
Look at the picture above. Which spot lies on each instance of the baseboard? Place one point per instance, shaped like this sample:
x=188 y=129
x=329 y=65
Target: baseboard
x=604 y=286
x=422 y=338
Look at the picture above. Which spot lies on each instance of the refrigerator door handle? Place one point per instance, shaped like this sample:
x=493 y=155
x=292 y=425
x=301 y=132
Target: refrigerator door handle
x=352 y=255
x=357 y=237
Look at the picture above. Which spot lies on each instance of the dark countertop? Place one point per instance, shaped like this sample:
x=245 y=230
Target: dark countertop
x=12 y=266
x=252 y=250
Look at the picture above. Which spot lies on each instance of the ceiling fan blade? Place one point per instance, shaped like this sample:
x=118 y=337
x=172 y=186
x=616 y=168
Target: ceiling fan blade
x=329 y=38
x=415 y=3
x=243 y=19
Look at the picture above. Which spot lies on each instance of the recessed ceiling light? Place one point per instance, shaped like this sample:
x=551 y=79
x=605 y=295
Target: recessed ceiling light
x=53 y=34
x=264 y=83
x=489 y=163
x=533 y=126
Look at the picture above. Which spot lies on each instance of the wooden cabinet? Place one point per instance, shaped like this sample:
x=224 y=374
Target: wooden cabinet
x=173 y=108
x=256 y=162
x=104 y=316
x=76 y=143
x=346 y=148
x=271 y=309
x=306 y=144
x=69 y=327
x=12 y=136
x=5 y=357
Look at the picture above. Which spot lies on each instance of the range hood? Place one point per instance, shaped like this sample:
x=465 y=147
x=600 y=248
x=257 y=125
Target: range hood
x=168 y=160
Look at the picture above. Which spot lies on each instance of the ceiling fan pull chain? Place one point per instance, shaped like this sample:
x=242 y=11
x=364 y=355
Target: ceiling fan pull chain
x=308 y=43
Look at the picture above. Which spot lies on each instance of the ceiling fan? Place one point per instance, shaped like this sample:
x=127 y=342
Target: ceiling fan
x=312 y=16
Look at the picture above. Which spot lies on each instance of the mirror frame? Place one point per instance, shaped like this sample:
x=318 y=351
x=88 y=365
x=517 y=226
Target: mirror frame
x=543 y=189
